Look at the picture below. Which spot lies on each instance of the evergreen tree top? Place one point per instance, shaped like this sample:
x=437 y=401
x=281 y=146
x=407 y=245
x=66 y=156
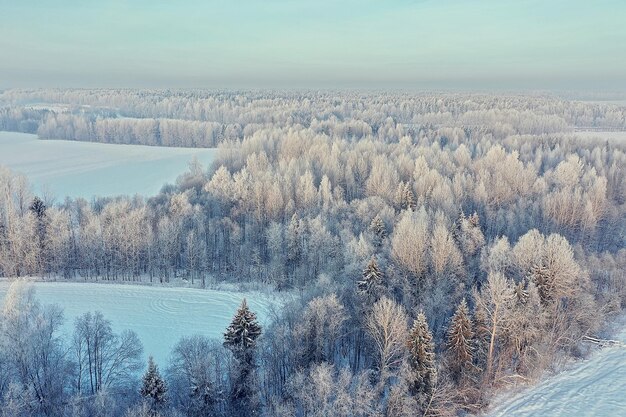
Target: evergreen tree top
x=460 y=332
x=421 y=358
x=244 y=329
x=420 y=343
x=38 y=207
x=371 y=278
x=460 y=343
x=153 y=386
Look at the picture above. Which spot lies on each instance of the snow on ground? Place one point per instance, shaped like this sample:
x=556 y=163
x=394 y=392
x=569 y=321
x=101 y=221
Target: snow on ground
x=603 y=135
x=87 y=169
x=159 y=315
x=593 y=387
x=616 y=102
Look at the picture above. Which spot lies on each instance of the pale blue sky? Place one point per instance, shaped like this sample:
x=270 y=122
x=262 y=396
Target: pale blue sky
x=470 y=44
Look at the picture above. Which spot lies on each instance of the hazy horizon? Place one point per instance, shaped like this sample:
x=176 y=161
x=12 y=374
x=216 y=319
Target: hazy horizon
x=402 y=44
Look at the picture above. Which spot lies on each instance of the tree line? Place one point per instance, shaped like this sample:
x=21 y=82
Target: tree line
x=207 y=118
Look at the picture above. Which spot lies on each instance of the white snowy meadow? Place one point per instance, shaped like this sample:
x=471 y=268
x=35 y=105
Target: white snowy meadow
x=587 y=388
x=82 y=169
x=160 y=316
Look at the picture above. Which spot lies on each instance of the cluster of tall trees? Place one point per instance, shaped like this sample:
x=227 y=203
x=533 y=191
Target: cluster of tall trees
x=442 y=247
x=96 y=372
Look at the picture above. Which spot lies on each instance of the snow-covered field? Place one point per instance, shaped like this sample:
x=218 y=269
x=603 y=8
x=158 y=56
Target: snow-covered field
x=610 y=136
x=616 y=102
x=159 y=315
x=86 y=169
x=591 y=388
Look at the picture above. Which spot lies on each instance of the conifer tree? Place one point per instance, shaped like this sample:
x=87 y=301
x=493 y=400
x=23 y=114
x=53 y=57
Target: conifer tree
x=460 y=342
x=39 y=210
x=371 y=281
x=521 y=292
x=481 y=337
x=241 y=335
x=153 y=388
x=240 y=338
x=408 y=199
x=457 y=229
x=405 y=199
x=422 y=360
x=293 y=240
x=377 y=227
x=544 y=281
x=468 y=234
x=474 y=220
x=38 y=207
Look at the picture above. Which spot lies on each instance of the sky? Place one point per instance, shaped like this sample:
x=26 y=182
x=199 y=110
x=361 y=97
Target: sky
x=394 y=44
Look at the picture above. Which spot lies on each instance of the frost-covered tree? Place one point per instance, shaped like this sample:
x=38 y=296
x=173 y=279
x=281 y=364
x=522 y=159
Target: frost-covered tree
x=327 y=391
x=289 y=202
x=30 y=337
x=241 y=335
x=480 y=326
x=153 y=388
x=103 y=358
x=495 y=299
x=240 y=338
x=371 y=283
x=198 y=376
x=460 y=343
x=387 y=327
x=377 y=227
x=17 y=402
x=322 y=327
x=421 y=358
x=409 y=243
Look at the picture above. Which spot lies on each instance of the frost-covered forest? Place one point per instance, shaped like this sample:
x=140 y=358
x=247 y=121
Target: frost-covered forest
x=204 y=119
x=442 y=247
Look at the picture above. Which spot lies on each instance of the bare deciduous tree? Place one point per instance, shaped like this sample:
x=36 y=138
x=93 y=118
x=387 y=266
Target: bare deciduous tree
x=387 y=327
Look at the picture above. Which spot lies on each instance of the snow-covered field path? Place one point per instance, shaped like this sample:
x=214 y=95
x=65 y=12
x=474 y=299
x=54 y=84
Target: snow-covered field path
x=595 y=388
x=160 y=316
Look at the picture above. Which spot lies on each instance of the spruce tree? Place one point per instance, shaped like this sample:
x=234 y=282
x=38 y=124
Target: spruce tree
x=153 y=388
x=38 y=207
x=422 y=360
x=474 y=220
x=240 y=338
x=482 y=334
x=243 y=331
x=460 y=343
x=521 y=292
x=39 y=210
x=377 y=227
x=468 y=234
x=457 y=229
x=293 y=237
x=404 y=197
x=371 y=282
x=544 y=281
x=408 y=199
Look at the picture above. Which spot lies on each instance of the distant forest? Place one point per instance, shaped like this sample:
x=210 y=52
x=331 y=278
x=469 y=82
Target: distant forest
x=206 y=119
x=443 y=247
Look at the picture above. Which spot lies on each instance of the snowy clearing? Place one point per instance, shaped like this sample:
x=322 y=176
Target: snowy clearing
x=593 y=387
x=159 y=315
x=615 y=102
x=603 y=135
x=86 y=169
